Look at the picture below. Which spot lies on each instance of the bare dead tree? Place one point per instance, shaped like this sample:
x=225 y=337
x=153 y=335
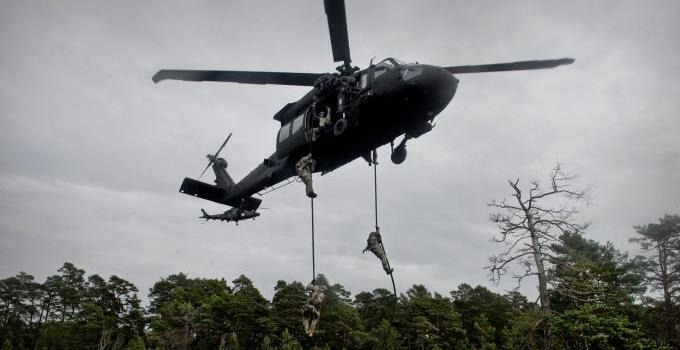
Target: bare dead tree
x=529 y=222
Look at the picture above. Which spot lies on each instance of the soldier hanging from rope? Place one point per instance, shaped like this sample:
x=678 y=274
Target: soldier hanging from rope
x=305 y=168
x=311 y=310
x=374 y=244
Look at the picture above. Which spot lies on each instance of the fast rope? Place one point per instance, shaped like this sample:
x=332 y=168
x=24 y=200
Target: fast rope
x=311 y=200
x=377 y=228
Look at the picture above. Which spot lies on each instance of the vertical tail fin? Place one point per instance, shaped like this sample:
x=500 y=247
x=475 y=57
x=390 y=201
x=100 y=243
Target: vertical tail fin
x=222 y=178
x=205 y=215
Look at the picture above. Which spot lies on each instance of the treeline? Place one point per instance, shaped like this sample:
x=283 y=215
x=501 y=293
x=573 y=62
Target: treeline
x=596 y=298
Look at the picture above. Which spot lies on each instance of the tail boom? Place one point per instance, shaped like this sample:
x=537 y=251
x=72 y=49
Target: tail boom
x=218 y=195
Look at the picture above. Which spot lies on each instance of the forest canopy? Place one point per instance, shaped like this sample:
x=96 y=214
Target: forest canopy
x=599 y=298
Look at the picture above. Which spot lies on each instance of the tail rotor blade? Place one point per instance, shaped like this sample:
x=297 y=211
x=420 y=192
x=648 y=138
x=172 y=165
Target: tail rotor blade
x=223 y=143
x=214 y=156
x=206 y=169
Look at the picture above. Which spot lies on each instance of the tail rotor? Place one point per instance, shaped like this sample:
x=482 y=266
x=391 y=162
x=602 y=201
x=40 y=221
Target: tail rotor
x=213 y=157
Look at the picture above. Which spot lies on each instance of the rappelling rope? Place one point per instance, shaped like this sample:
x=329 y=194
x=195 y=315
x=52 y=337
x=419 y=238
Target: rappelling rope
x=311 y=200
x=377 y=228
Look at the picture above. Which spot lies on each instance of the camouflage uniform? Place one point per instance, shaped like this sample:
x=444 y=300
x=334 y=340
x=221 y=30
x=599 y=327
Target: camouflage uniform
x=374 y=244
x=325 y=118
x=311 y=311
x=305 y=168
x=323 y=121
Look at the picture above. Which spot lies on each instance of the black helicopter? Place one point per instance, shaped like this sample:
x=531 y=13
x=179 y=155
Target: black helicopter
x=344 y=116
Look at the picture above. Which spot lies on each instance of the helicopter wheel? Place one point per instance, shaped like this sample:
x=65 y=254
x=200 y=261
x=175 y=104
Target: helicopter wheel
x=398 y=155
x=340 y=127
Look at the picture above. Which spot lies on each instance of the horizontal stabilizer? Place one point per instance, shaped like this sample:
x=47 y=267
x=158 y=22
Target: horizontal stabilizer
x=218 y=195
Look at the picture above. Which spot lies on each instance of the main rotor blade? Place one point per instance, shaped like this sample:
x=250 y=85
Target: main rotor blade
x=520 y=65
x=337 y=26
x=244 y=77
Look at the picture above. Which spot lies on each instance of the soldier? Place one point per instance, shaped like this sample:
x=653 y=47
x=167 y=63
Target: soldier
x=322 y=121
x=374 y=244
x=325 y=118
x=311 y=311
x=305 y=168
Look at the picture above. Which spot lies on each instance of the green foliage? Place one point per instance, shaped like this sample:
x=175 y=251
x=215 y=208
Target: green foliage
x=475 y=304
x=588 y=327
x=660 y=243
x=595 y=293
x=136 y=343
x=288 y=342
x=427 y=320
x=594 y=287
x=286 y=304
x=523 y=330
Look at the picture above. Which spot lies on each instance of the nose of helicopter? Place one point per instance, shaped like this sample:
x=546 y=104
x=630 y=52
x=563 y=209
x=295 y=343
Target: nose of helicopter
x=435 y=85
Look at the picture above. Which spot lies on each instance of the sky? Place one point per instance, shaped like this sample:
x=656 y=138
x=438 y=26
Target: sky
x=92 y=153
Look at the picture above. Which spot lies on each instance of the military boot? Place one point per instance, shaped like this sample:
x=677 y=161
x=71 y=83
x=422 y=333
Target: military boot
x=310 y=191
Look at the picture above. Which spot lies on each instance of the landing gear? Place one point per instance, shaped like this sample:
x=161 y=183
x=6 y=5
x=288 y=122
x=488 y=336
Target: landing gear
x=399 y=153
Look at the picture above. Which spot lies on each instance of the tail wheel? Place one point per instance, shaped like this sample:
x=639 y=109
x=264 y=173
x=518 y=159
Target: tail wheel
x=340 y=127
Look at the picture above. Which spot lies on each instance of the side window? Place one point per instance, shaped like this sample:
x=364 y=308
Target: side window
x=363 y=80
x=284 y=132
x=297 y=123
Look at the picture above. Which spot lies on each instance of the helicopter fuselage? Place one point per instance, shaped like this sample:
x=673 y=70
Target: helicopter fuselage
x=345 y=116
x=394 y=99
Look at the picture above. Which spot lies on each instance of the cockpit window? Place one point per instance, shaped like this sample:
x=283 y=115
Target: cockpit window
x=398 y=61
x=385 y=65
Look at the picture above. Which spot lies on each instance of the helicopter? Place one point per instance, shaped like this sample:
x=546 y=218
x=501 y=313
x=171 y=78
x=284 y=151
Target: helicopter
x=233 y=214
x=346 y=115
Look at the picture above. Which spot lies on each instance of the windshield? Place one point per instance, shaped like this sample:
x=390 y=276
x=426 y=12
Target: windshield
x=387 y=63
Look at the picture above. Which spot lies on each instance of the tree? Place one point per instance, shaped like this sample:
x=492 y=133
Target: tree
x=429 y=319
x=529 y=223
x=191 y=312
x=339 y=320
x=474 y=304
x=374 y=307
x=594 y=288
x=485 y=333
x=286 y=308
x=661 y=244
x=250 y=314
x=588 y=272
x=71 y=291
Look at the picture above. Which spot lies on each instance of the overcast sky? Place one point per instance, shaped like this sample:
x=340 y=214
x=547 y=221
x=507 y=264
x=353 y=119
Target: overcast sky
x=92 y=153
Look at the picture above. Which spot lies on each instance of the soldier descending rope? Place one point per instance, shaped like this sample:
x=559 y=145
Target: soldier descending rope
x=374 y=244
x=305 y=168
x=311 y=311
